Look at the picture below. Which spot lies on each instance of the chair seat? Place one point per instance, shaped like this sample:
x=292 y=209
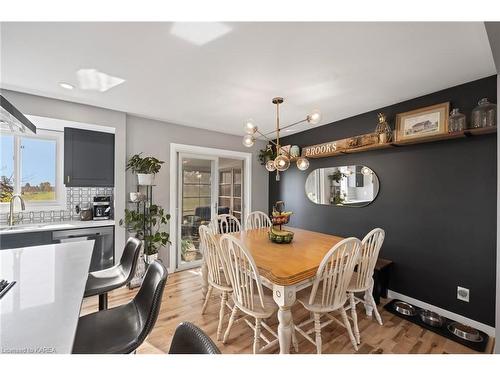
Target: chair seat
x=269 y=309
x=303 y=298
x=113 y=331
x=104 y=281
x=223 y=287
x=352 y=288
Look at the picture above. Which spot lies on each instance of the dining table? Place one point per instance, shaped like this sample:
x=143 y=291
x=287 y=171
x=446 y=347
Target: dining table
x=39 y=314
x=285 y=268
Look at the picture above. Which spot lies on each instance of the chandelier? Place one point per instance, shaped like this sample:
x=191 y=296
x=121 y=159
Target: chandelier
x=283 y=158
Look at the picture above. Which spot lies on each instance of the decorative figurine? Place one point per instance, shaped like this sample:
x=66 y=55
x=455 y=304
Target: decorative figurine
x=383 y=129
x=295 y=151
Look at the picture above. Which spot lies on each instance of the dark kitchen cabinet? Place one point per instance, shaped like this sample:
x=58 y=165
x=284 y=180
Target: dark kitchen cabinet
x=17 y=240
x=89 y=158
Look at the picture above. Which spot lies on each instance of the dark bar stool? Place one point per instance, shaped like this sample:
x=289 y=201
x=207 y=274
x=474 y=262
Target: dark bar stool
x=104 y=281
x=122 y=329
x=189 y=339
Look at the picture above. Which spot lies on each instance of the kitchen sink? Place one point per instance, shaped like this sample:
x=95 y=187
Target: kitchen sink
x=33 y=227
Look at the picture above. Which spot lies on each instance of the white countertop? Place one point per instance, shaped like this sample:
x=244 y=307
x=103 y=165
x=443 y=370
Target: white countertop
x=59 y=225
x=40 y=313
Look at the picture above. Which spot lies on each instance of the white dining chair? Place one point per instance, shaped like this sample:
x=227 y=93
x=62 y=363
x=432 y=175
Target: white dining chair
x=248 y=295
x=225 y=223
x=362 y=279
x=217 y=276
x=329 y=291
x=257 y=220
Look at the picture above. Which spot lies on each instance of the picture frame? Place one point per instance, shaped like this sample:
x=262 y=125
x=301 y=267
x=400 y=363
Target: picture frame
x=425 y=122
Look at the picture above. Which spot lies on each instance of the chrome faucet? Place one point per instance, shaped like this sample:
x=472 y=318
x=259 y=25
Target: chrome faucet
x=11 y=210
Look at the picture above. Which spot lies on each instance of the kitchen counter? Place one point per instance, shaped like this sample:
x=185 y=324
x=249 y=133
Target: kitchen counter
x=40 y=313
x=60 y=225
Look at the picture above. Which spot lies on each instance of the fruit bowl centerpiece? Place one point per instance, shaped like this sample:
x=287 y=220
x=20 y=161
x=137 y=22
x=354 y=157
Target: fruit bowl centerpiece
x=279 y=218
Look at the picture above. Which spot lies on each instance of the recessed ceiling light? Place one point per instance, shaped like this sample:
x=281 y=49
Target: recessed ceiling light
x=92 y=79
x=199 y=33
x=66 y=86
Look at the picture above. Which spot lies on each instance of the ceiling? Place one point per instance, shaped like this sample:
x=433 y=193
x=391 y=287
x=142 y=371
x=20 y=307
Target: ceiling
x=218 y=75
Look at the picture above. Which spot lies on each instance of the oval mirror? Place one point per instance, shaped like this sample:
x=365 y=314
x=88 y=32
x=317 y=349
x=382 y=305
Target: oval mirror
x=347 y=186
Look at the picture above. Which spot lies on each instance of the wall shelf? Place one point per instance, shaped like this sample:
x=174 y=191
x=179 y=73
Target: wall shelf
x=442 y=137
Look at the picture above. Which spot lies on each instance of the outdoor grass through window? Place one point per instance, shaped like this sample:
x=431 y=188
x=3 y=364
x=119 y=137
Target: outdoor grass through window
x=28 y=167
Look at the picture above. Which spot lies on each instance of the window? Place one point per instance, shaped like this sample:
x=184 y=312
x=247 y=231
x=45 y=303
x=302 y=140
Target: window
x=31 y=165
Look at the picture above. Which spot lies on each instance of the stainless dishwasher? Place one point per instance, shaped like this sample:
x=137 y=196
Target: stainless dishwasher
x=103 y=254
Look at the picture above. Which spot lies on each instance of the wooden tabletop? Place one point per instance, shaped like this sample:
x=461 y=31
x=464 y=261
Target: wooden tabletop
x=288 y=264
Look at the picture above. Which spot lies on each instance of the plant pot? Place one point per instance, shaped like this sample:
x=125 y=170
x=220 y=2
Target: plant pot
x=151 y=258
x=189 y=255
x=146 y=179
x=136 y=197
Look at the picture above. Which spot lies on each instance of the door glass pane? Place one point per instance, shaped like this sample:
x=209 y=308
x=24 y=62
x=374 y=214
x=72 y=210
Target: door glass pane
x=38 y=169
x=6 y=167
x=196 y=205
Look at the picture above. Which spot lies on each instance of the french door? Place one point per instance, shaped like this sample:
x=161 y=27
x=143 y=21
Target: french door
x=197 y=188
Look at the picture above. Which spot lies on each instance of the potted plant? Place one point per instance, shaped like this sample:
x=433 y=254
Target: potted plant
x=188 y=250
x=266 y=155
x=145 y=167
x=148 y=227
x=337 y=176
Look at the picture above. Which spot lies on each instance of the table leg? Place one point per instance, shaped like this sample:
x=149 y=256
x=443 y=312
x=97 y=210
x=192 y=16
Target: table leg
x=103 y=301
x=284 y=296
x=204 y=279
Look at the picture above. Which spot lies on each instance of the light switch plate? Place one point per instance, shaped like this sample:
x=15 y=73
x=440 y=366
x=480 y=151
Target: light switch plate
x=463 y=294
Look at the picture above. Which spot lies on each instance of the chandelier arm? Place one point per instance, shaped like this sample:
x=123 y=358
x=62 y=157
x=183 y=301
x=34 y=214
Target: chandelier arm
x=285 y=127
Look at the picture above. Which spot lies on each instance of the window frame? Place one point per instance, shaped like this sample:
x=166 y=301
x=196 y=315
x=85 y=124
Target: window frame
x=60 y=202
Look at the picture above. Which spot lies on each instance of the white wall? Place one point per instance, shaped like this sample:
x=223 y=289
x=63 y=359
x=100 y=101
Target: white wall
x=63 y=110
x=135 y=134
x=154 y=137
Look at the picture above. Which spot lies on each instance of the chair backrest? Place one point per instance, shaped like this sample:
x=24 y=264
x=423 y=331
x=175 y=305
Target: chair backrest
x=242 y=272
x=370 y=248
x=256 y=220
x=189 y=339
x=335 y=272
x=148 y=298
x=213 y=257
x=130 y=255
x=226 y=223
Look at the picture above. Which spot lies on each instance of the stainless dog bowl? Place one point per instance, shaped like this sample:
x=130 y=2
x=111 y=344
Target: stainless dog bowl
x=431 y=318
x=466 y=333
x=405 y=308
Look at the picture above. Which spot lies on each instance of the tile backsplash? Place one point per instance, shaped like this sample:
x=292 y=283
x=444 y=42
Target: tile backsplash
x=74 y=196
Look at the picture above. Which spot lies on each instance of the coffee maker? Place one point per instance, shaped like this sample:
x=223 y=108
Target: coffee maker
x=101 y=207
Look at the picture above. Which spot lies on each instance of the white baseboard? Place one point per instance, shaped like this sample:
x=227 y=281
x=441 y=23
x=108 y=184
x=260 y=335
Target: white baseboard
x=490 y=331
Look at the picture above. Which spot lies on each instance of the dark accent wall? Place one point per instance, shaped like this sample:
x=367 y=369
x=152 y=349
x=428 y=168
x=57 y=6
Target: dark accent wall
x=437 y=204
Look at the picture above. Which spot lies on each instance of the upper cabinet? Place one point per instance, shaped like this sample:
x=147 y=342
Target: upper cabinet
x=89 y=158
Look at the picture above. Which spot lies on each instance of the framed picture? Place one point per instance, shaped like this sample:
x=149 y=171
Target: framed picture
x=422 y=123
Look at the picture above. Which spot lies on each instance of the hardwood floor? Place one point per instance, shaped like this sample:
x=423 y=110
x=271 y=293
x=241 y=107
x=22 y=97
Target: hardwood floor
x=183 y=300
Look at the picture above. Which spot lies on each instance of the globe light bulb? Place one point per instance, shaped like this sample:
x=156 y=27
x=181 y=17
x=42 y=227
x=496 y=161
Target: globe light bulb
x=250 y=127
x=366 y=171
x=248 y=140
x=302 y=163
x=314 y=117
x=282 y=163
x=270 y=166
